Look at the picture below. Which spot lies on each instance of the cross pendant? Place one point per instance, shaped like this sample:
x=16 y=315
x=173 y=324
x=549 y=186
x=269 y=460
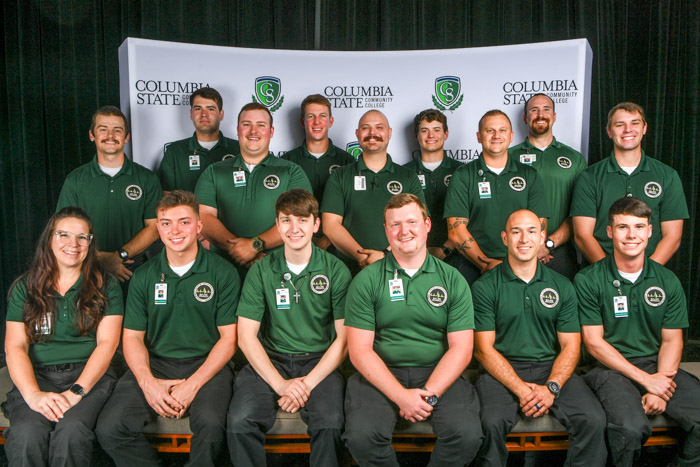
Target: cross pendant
x=296 y=296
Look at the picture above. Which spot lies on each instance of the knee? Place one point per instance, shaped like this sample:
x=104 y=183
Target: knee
x=239 y=420
x=630 y=435
x=208 y=426
x=28 y=436
x=594 y=421
x=364 y=437
x=71 y=431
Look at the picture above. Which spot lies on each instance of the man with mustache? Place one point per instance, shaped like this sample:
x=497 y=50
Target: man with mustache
x=355 y=195
x=119 y=195
x=559 y=166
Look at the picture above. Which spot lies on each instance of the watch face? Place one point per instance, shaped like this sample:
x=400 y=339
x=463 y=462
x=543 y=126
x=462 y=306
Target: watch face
x=257 y=244
x=123 y=254
x=553 y=387
x=432 y=400
x=549 y=244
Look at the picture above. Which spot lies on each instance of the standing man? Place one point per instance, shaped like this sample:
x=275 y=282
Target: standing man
x=299 y=292
x=633 y=312
x=483 y=193
x=528 y=340
x=628 y=171
x=410 y=322
x=238 y=195
x=119 y=195
x=184 y=160
x=434 y=170
x=559 y=166
x=179 y=335
x=356 y=194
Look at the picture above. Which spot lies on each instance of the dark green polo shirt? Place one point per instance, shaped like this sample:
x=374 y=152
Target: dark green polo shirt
x=319 y=169
x=66 y=344
x=654 y=302
x=652 y=181
x=517 y=187
x=117 y=205
x=412 y=331
x=434 y=184
x=363 y=210
x=525 y=316
x=185 y=160
x=559 y=166
x=184 y=324
x=307 y=326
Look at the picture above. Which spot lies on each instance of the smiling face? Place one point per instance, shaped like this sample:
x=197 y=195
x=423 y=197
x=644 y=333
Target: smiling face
x=373 y=132
x=65 y=242
x=317 y=121
x=255 y=133
x=407 y=231
x=540 y=115
x=297 y=231
x=178 y=228
x=109 y=135
x=495 y=135
x=523 y=236
x=205 y=115
x=630 y=235
x=626 y=130
x=431 y=136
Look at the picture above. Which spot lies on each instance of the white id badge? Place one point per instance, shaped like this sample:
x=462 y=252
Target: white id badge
x=45 y=325
x=360 y=183
x=484 y=190
x=396 y=290
x=282 y=297
x=620 y=303
x=194 y=162
x=161 y=293
x=528 y=159
x=239 y=178
x=421 y=179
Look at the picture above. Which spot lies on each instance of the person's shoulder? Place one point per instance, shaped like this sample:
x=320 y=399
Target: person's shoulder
x=293 y=154
x=150 y=268
x=343 y=154
x=80 y=171
x=592 y=271
x=659 y=167
x=181 y=145
x=552 y=276
x=663 y=272
x=140 y=170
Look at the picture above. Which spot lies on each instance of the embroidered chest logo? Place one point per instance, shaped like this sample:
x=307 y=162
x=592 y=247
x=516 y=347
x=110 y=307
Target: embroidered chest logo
x=437 y=296
x=564 y=162
x=652 y=189
x=227 y=156
x=133 y=192
x=394 y=187
x=549 y=297
x=447 y=179
x=203 y=292
x=517 y=183
x=319 y=284
x=271 y=182
x=655 y=296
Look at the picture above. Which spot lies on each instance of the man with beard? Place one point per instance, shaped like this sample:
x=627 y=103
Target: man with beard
x=559 y=166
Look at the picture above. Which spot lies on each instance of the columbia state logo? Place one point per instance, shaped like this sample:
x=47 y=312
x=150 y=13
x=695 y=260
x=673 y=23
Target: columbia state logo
x=448 y=95
x=653 y=189
x=271 y=182
x=437 y=296
x=268 y=92
x=319 y=284
x=447 y=179
x=227 y=156
x=332 y=168
x=564 y=162
x=394 y=187
x=354 y=149
x=549 y=297
x=203 y=292
x=517 y=183
x=133 y=192
x=655 y=296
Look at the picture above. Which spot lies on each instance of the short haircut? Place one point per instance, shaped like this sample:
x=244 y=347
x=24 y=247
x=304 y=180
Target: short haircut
x=208 y=93
x=630 y=107
x=404 y=199
x=315 y=99
x=254 y=106
x=629 y=207
x=297 y=202
x=178 y=198
x=494 y=113
x=108 y=110
x=429 y=115
x=535 y=95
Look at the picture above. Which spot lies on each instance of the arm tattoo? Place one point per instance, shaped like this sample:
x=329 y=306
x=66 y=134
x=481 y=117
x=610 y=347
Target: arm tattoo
x=458 y=221
x=463 y=246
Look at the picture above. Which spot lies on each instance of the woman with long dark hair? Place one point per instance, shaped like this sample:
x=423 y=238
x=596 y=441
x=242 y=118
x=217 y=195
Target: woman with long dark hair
x=64 y=319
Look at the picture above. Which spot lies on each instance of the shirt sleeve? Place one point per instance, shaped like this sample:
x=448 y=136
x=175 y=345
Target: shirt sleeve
x=676 y=314
x=67 y=196
x=15 y=306
x=339 y=289
x=333 y=199
x=589 y=306
x=115 y=299
x=359 y=304
x=299 y=179
x=153 y=195
x=136 y=312
x=673 y=206
x=166 y=170
x=583 y=201
x=416 y=188
x=567 y=319
x=229 y=294
x=537 y=196
x=457 y=198
x=206 y=187
x=484 y=296
x=252 y=303
x=461 y=313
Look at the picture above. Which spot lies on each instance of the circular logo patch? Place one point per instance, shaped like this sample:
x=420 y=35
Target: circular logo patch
x=655 y=296
x=133 y=192
x=203 y=292
x=549 y=297
x=332 y=168
x=564 y=162
x=447 y=179
x=271 y=182
x=517 y=183
x=437 y=296
x=319 y=284
x=394 y=187
x=227 y=156
x=652 y=189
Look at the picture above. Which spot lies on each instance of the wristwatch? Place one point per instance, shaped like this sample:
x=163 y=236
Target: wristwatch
x=123 y=254
x=553 y=387
x=77 y=389
x=258 y=244
x=446 y=251
x=431 y=400
x=549 y=243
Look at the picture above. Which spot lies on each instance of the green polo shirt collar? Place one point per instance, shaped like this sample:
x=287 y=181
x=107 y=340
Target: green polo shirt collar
x=200 y=264
x=126 y=169
x=329 y=152
x=508 y=275
x=647 y=272
x=528 y=145
x=391 y=265
x=193 y=143
x=278 y=262
x=614 y=167
x=510 y=167
x=388 y=167
x=444 y=164
x=240 y=162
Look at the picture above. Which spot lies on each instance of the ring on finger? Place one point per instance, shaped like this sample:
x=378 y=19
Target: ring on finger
x=537 y=407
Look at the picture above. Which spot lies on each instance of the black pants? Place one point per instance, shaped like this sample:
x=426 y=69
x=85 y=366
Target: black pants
x=32 y=440
x=629 y=427
x=120 y=425
x=564 y=261
x=576 y=408
x=253 y=411
x=370 y=418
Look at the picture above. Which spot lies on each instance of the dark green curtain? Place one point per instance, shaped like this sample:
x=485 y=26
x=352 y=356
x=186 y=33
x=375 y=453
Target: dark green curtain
x=60 y=64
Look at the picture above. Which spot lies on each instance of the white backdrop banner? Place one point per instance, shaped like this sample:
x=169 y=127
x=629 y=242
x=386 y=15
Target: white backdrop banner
x=157 y=78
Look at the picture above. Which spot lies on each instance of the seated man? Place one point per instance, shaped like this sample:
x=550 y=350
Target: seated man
x=179 y=336
x=528 y=340
x=409 y=321
x=295 y=360
x=633 y=312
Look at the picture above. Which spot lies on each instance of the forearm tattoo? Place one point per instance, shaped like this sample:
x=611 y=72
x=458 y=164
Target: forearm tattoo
x=458 y=221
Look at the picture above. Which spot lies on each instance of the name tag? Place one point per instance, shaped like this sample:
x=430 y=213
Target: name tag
x=396 y=290
x=194 y=162
x=360 y=183
x=239 y=178
x=484 y=190
x=620 y=303
x=45 y=325
x=161 y=293
x=282 y=298
x=421 y=179
x=528 y=158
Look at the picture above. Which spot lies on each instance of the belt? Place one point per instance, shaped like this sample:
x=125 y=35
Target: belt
x=61 y=367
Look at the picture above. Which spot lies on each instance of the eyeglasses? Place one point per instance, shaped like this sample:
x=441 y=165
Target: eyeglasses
x=65 y=238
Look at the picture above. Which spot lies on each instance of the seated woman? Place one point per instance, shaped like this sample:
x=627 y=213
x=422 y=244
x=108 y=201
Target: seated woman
x=63 y=324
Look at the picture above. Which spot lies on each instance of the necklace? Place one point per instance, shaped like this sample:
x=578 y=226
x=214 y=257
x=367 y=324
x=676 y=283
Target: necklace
x=288 y=277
